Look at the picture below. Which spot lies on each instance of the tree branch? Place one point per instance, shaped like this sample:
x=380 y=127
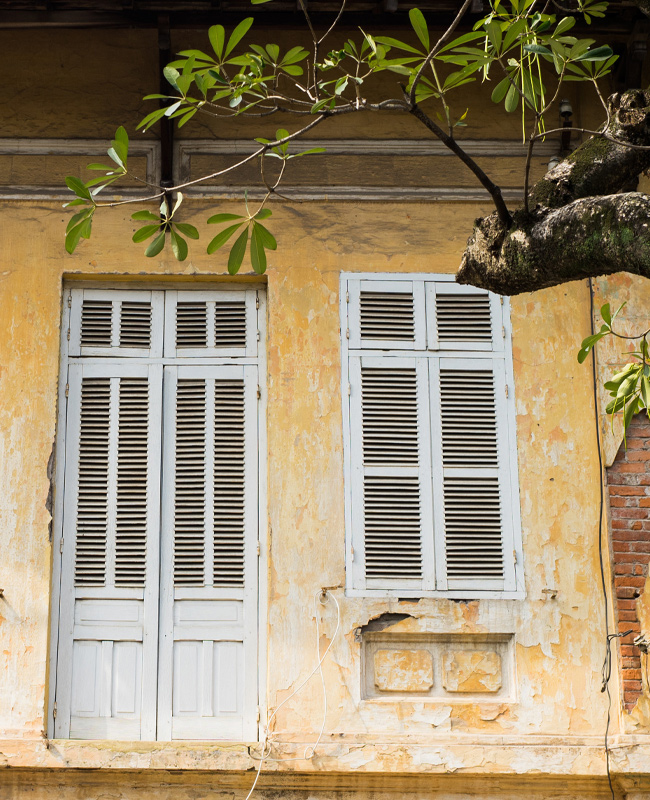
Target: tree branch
x=589 y=237
x=452 y=144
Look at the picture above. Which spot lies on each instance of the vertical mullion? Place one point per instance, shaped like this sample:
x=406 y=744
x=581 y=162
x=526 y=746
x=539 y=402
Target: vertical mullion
x=210 y=336
x=115 y=322
x=208 y=520
x=357 y=540
x=424 y=472
x=437 y=474
x=152 y=563
x=111 y=500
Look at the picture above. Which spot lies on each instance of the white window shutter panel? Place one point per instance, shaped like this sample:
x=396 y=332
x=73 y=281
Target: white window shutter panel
x=391 y=474
x=208 y=664
x=386 y=315
x=471 y=488
x=109 y=591
x=463 y=318
x=114 y=322
x=212 y=323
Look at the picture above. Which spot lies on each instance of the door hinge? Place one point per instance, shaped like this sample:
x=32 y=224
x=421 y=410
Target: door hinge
x=347 y=333
x=503 y=331
x=257 y=300
x=67 y=389
x=68 y=334
x=506 y=389
x=259 y=336
x=258 y=714
x=259 y=393
x=70 y=300
x=54 y=710
x=349 y=390
x=259 y=548
x=352 y=553
x=514 y=556
x=61 y=545
x=347 y=297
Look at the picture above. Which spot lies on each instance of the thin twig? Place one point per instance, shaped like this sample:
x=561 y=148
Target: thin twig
x=333 y=25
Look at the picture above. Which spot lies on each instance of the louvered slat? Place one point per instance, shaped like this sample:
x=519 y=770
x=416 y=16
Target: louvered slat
x=229 y=455
x=189 y=490
x=96 y=323
x=92 y=497
x=191 y=324
x=469 y=427
x=390 y=418
x=230 y=324
x=392 y=523
x=473 y=530
x=131 y=511
x=463 y=317
x=135 y=325
x=387 y=315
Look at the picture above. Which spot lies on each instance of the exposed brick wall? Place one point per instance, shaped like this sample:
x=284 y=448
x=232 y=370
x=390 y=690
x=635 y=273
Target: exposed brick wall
x=629 y=498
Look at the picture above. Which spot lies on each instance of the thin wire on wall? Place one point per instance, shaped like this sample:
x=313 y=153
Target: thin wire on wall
x=321 y=597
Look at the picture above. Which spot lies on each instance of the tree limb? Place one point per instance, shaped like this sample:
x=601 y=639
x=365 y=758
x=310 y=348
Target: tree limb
x=589 y=237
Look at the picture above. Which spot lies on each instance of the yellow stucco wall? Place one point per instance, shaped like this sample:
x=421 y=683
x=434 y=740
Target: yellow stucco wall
x=554 y=727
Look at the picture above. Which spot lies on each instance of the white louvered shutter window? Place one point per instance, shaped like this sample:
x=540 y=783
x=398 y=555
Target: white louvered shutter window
x=158 y=615
x=432 y=500
x=215 y=323
x=111 y=322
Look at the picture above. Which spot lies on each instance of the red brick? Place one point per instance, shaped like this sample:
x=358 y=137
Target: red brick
x=625 y=615
x=632 y=558
x=621 y=467
x=644 y=480
x=632 y=686
x=629 y=649
x=624 y=569
x=629 y=604
x=638 y=583
x=630 y=479
x=630 y=663
x=644 y=502
x=626 y=491
x=631 y=536
x=623 y=502
x=638 y=455
x=621 y=524
x=641 y=547
x=626 y=593
x=631 y=674
x=631 y=513
x=641 y=430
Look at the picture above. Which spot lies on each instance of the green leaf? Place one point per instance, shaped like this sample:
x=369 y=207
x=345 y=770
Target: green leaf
x=171 y=76
x=267 y=238
x=187 y=117
x=494 y=34
x=606 y=314
x=121 y=144
x=513 y=33
x=145 y=232
x=387 y=40
x=295 y=54
x=217 y=218
x=292 y=70
x=151 y=118
x=645 y=391
x=72 y=238
x=179 y=246
x=235 y=37
x=145 y=215
x=537 y=48
x=320 y=105
x=420 y=26
x=78 y=187
x=597 y=54
x=112 y=153
x=237 y=252
x=221 y=238
x=512 y=99
x=258 y=255
x=274 y=52
x=100 y=166
x=187 y=229
x=500 y=90
x=217 y=36
x=156 y=246
x=265 y=213
x=310 y=152
x=77 y=219
x=564 y=25
x=630 y=410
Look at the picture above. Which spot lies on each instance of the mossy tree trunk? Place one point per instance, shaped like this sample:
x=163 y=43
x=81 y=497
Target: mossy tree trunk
x=581 y=223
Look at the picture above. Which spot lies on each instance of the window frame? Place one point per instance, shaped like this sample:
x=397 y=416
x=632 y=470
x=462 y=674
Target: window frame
x=158 y=288
x=502 y=351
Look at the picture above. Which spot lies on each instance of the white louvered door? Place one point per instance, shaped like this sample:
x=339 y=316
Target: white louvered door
x=109 y=593
x=208 y=647
x=158 y=596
